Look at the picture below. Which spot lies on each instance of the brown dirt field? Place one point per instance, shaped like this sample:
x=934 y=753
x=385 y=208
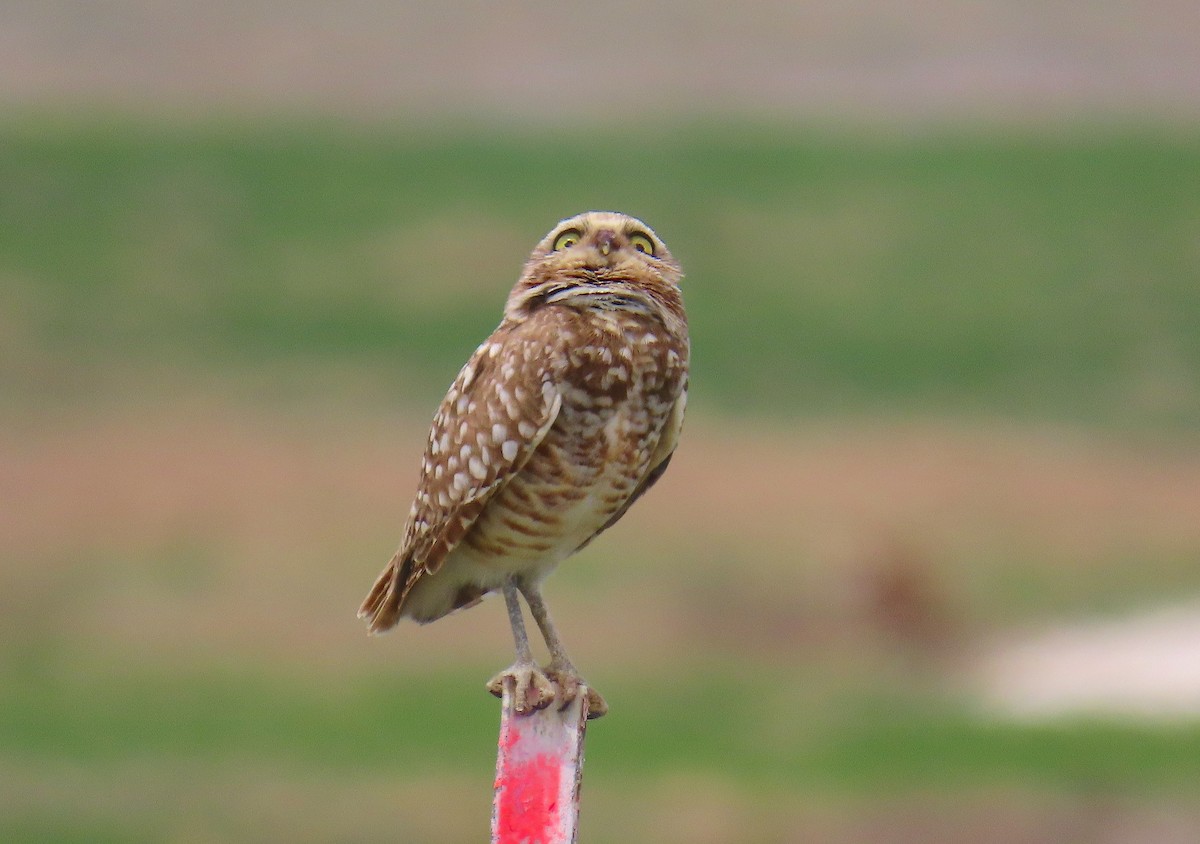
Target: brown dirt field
x=203 y=529
x=369 y=57
x=237 y=802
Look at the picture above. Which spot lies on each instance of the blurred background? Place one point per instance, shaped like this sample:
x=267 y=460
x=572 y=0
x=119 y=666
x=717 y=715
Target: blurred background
x=925 y=567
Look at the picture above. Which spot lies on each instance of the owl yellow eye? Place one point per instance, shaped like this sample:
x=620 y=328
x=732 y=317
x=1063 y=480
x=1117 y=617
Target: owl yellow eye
x=642 y=244
x=567 y=239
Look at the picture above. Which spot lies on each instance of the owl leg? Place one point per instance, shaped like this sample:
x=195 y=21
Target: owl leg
x=531 y=689
x=561 y=670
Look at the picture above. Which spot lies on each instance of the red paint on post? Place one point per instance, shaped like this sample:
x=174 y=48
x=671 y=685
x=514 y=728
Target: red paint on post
x=528 y=811
x=538 y=771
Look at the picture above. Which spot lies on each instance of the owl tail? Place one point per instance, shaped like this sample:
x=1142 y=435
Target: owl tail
x=382 y=607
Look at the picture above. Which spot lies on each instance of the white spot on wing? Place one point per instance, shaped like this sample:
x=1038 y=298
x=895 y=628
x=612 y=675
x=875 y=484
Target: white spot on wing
x=509 y=449
x=477 y=469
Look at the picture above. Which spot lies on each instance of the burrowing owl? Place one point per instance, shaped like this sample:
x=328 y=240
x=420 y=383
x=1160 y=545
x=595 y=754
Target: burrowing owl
x=556 y=425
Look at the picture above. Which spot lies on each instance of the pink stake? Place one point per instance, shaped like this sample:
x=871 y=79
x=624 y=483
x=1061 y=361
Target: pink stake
x=539 y=769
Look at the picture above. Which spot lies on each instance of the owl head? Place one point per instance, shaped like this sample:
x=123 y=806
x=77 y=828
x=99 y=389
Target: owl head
x=598 y=259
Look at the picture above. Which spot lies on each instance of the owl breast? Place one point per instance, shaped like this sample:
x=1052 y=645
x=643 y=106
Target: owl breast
x=620 y=376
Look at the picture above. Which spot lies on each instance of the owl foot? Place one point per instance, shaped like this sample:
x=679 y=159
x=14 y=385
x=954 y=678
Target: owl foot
x=568 y=681
x=531 y=689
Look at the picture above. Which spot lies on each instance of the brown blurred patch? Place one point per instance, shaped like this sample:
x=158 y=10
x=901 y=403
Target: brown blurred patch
x=904 y=600
x=834 y=492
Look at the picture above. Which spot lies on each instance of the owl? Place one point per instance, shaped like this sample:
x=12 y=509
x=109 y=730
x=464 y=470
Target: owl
x=557 y=424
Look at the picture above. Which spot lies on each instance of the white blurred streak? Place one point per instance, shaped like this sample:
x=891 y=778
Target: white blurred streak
x=1145 y=666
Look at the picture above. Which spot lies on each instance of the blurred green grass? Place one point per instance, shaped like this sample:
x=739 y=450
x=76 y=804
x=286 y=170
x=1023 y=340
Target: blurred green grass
x=862 y=742
x=1050 y=273
x=180 y=744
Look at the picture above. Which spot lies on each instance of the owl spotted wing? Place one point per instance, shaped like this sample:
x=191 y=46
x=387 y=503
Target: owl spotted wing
x=495 y=414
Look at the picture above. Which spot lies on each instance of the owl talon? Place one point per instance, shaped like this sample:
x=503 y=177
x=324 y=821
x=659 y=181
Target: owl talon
x=568 y=681
x=531 y=689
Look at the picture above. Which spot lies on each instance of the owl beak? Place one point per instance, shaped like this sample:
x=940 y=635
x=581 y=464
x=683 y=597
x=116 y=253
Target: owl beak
x=604 y=241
